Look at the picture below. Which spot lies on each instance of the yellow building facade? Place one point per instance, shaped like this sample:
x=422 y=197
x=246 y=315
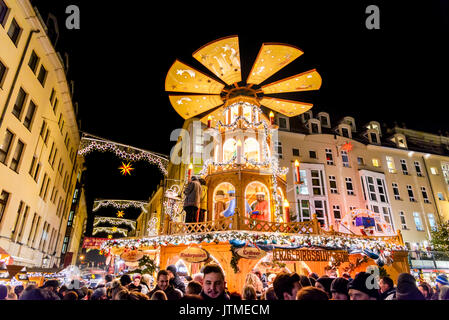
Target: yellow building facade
x=38 y=139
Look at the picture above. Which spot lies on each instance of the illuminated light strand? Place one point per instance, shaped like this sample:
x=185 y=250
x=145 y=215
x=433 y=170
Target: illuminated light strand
x=152 y=224
x=265 y=238
x=119 y=204
x=88 y=145
x=110 y=230
x=115 y=222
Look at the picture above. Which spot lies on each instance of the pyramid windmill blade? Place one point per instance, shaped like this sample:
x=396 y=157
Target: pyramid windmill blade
x=271 y=58
x=215 y=116
x=306 y=81
x=288 y=108
x=189 y=106
x=183 y=78
x=222 y=57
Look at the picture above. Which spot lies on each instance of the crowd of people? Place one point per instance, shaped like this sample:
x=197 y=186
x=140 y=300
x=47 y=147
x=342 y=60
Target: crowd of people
x=210 y=284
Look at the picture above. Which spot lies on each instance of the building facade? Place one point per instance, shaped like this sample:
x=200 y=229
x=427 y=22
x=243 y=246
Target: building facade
x=39 y=138
x=399 y=174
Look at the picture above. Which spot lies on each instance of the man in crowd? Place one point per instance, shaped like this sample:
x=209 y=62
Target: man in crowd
x=361 y=288
x=441 y=280
x=164 y=285
x=214 y=284
x=386 y=288
x=286 y=286
x=175 y=280
x=192 y=199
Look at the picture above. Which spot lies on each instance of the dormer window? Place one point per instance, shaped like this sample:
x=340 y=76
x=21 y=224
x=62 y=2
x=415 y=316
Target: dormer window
x=399 y=140
x=283 y=122
x=306 y=116
x=345 y=130
x=374 y=125
x=324 y=119
x=373 y=136
x=314 y=126
x=351 y=122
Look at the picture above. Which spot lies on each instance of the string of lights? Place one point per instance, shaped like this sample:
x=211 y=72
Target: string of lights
x=119 y=204
x=115 y=221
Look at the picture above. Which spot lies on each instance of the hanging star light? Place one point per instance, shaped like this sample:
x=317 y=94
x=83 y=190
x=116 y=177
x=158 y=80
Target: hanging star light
x=120 y=214
x=126 y=169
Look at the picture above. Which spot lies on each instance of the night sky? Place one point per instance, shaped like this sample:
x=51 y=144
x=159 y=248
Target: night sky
x=121 y=54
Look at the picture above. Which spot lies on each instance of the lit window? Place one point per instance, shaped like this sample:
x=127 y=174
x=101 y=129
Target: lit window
x=329 y=157
x=376 y=163
x=418 y=222
x=432 y=223
x=390 y=165
x=303 y=187
x=445 y=170
x=349 y=186
x=434 y=170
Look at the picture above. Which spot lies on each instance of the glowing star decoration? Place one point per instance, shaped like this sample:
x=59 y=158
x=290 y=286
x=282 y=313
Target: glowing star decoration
x=114 y=229
x=347 y=147
x=110 y=236
x=120 y=214
x=126 y=169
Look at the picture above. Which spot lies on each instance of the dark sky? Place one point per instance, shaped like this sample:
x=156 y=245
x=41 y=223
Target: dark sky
x=121 y=54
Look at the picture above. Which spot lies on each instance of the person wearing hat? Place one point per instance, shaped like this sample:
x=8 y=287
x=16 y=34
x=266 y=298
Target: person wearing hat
x=286 y=286
x=441 y=280
x=406 y=288
x=175 y=280
x=324 y=283
x=192 y=199
x=135 y=285
x=260 y=209
x=359 y=290
x=339 y=289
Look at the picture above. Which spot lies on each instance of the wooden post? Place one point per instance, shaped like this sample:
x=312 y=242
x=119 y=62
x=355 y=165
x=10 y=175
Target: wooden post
x=316 y=225
x=401 y=240
x=236 y=220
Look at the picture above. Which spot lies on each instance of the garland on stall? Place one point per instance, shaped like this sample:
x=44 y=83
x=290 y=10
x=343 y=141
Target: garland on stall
x=235 y=260
x=267 y=239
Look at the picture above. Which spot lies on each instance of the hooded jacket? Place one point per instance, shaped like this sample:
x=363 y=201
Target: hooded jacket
x=170 y=292
x=192 y=194
x=176 y=282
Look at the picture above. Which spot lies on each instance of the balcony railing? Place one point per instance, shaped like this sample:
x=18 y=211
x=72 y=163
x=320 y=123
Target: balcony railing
x=429 y=259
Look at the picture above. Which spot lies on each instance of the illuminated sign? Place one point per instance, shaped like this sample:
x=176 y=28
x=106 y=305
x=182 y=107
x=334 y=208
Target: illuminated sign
x=309 y=255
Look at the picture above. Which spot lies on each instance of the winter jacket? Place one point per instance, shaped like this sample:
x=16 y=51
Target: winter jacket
x=170 y=292
x=222 y=297
x=176 y=282
x=388 y=295
x=192 y=194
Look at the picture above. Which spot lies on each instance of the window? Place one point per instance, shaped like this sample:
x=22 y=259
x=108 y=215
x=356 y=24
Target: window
x=320 y=210
x=278 y=148
x=51 y=152
x=440 y=196
x=43 y=128
x=312 y=154
x=324 y=120
x=434 y=170
x=18 y=106
x=3 y=70
x=295 y=152
x=37 y=172
x=333 y=184
x=14 y=32
x=418 y=223
x=17 y=156
x=31 y=229
x=371 y=188
x=337 y=212
x=345 y=158
x=19 y=214
x=72 y=155
x=303 y=187
x=29 y=115
x=404 y=167
x=373 y=137
x=35 y=230
x=60 y=121
x=44 y=181
x=317 y=183
x=306 y=116
x=386 y=214
x=376 y=163
x=424 y=195
x=42 y=76
x=360 y=161
x=418 y=169
x=3 y=12
x=315 y=128
x=349 y=187
x=282 y=123
x=55 y=106
x=403 y=222
x=410 y=193
x=390 y=165
x=445 y=169
x=329 y=157
x=381 y=190
x=396 y=191
x=433 y=225
x=34 y=61
x=5 y=146
x=4 y=196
